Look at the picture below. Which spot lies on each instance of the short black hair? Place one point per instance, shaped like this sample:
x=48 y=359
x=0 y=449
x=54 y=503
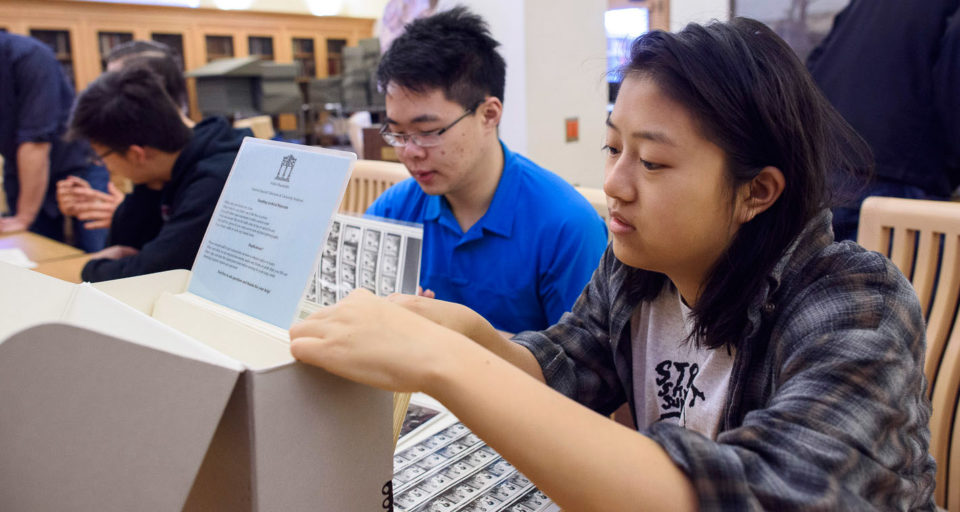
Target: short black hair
x=160 y=59
x=128 y=107
x=452 y=51
x=167 y=69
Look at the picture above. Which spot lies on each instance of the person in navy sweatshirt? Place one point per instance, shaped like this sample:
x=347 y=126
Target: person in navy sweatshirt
x=138 y=132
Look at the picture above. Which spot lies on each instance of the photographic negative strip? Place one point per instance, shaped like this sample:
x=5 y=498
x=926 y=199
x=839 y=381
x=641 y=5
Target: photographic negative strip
x=369 y=259
x=380 y=255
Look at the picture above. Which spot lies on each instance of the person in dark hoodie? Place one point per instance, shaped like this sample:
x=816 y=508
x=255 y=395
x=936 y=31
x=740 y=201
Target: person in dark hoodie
x=138 y=132
x=135 y=214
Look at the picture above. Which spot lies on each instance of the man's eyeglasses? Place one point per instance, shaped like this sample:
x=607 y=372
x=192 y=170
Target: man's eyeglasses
x=98 y=159
x=423 y=139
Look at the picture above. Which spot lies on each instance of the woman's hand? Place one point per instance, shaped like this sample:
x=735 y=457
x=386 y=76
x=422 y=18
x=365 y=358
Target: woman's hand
x=374 y=341
x=453 y=316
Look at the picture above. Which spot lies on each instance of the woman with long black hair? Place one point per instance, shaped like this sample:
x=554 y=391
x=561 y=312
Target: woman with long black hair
x=767 y=366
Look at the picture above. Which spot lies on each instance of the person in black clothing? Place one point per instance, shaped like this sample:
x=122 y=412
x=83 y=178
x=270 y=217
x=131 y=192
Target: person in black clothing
x=129 y=218
x=138 y=132
x=892 y=69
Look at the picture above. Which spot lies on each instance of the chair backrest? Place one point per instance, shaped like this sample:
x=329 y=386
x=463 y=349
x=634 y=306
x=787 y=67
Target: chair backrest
x=953 y=466
x=369 y=179
x=597 y=199
x=261 y=126
x=922 y=238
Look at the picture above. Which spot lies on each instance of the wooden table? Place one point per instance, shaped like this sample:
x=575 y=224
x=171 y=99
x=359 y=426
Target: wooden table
x=37 y=247
x=67 y=269
x=53 y=258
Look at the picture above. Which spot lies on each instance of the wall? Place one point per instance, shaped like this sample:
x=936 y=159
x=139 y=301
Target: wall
x=507 y=24
x=699 y=11
x=566 y=77
x=555 y=69
x=363 y=8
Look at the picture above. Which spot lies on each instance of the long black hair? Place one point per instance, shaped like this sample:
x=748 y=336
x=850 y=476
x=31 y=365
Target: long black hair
x=750 y=95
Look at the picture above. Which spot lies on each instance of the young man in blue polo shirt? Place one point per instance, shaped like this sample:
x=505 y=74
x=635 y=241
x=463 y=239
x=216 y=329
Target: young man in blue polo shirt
x=503 y=236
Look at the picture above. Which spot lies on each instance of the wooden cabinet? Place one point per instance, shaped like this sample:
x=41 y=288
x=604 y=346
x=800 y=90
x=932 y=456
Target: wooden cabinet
x=219 y=47
x=261 y=46
x=59 y=42
x=305 y=57
x=107 y=41
x=173 y=41
x=335 y=56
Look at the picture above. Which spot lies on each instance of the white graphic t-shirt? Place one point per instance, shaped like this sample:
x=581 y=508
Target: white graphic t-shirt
x=673 y=380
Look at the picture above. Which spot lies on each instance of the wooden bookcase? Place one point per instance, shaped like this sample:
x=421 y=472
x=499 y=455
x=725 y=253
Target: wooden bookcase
x=59 y=42
x=89 y=28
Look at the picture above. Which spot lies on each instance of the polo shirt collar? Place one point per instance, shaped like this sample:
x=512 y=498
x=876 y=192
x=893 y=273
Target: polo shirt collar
x=435 y=205
x=502 y=211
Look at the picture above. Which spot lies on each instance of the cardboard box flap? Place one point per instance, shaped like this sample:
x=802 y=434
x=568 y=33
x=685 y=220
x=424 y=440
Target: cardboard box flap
x=97 y=311
x=141 y=292
x=30 y=298
x=302 y=414
x=102 y=424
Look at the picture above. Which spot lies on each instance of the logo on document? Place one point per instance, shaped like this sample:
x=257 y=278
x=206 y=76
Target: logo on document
x=286 y=168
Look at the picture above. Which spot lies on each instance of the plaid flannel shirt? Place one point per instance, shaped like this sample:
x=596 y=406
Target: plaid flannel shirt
x=826 y=407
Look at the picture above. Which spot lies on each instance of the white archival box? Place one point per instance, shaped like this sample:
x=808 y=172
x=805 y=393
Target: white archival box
x=135 y=395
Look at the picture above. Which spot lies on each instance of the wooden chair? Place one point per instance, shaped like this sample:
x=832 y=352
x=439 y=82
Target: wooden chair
x=953 y=466
x=597 y=199
x=369 y=179
x=261 y=126
x=923 y=239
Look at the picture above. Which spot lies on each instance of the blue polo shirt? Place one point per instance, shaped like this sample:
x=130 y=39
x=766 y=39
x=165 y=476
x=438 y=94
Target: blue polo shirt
x=524 y=263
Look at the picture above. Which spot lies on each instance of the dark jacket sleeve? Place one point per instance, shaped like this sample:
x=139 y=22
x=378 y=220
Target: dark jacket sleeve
x=137 y=220
x=178 y=241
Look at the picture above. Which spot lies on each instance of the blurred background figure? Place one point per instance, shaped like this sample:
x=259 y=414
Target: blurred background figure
x=892 y=69
x=134 y=223
x=396 y=15
x=35 y=101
